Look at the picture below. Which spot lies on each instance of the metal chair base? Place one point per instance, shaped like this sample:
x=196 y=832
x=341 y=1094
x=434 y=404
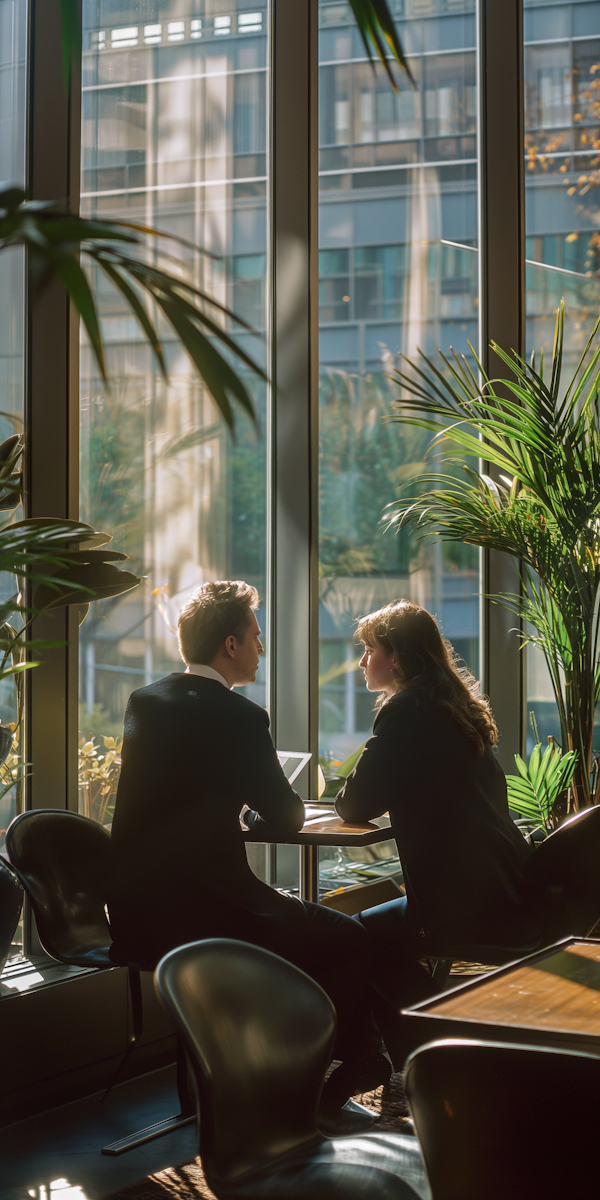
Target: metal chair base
x=148 y=1134
x=186 y=1117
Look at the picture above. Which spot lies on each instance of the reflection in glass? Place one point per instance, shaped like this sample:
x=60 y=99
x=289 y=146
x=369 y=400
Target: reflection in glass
x=13 y=42
x=398 y=271
x=562 y=145
x=174 y=136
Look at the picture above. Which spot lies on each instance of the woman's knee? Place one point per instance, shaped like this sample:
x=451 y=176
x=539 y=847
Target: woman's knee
x=385 y=918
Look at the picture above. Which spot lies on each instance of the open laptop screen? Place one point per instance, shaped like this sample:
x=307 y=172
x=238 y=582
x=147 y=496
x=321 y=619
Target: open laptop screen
x=293 y=762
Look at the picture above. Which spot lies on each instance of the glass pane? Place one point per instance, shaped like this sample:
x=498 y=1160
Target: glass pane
x=13 y=34
x=175 y=137
x=562 y=146
x=398 y=270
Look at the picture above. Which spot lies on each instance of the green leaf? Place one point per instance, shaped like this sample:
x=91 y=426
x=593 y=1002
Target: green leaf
x=17 y=669
x=74 y=280
x=140 y=312
x=521 y=767
x=376 y=26
x=350 y=762
x=70 y=37
x=534 y=766
x=80 y=584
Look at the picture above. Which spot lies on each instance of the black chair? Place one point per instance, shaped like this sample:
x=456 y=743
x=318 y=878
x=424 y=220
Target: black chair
x=11 y=903
x=63 y=861
x=259 y=1034
x=561 y=894
x=497 y=1121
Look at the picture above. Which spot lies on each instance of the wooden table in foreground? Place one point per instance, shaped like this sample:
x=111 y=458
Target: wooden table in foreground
x=547 y=999
x=323 y=827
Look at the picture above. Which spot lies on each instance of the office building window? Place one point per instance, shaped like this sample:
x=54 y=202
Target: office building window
x=398 y=270
x=174 y=136
x=562 y=147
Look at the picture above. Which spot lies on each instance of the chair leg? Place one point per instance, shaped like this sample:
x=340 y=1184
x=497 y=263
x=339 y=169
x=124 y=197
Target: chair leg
x=137 y=1020
x=186 y=1099
x=137 y=1006
x=441 y=970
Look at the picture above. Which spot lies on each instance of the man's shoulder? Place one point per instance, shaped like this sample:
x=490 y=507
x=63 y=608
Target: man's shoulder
x=181 y=688
x=248 y=708
x=160 y=689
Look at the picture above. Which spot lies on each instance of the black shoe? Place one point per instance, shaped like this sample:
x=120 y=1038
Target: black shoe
x=345 y=1121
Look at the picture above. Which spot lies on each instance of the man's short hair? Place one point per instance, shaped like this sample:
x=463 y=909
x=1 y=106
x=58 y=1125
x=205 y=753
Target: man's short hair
x=213 y=613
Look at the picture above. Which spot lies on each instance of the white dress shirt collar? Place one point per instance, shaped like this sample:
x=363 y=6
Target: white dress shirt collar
x=205 y=672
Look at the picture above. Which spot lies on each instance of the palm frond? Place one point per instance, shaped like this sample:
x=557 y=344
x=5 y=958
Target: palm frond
x=534 y=791
x=55 y=239
x=379 y=33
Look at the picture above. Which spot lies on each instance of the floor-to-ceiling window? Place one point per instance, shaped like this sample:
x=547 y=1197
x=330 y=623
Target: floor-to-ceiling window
x=398 y=271
x=174 y=136
x=562 y=147
x=13 y=42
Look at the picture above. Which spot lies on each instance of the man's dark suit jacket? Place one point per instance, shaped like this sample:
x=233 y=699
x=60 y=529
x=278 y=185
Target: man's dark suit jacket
x=193 y=754
x=461 y=854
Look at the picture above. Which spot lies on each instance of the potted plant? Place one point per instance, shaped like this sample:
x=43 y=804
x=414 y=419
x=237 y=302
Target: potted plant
x=98 y=777
x=541 y=433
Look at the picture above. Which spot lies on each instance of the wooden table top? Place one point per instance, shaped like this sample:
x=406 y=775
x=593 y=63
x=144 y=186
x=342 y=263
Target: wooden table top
x=323 y=827
x=555 y=992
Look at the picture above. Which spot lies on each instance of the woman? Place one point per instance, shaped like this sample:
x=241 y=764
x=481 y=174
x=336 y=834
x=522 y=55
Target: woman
x=431 y=764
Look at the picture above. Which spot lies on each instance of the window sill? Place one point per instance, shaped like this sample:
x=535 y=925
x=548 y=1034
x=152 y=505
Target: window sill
x=29 y=975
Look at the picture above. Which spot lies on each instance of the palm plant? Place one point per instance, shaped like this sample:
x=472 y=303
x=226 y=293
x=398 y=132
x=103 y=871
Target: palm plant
x=54 y=562
x=542 y=507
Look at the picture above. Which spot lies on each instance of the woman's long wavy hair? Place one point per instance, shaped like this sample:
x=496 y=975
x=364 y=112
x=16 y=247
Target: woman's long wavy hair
x=428 y=662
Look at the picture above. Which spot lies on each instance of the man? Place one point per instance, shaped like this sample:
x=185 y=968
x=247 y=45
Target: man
x=194 y=754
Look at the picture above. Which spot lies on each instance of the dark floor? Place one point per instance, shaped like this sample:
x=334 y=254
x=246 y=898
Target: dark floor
x=56 y=1156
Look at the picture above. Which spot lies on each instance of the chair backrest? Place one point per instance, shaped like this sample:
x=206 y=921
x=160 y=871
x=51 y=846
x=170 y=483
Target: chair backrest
x=63 y=862
x=11 y=903
x=259 y=1034
x=496 y=1121
x=562 y=877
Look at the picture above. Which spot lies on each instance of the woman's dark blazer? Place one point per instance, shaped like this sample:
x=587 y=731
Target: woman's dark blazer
x=461 y=854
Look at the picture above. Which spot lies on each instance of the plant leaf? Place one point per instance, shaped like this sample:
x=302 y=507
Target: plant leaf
x=376 y=26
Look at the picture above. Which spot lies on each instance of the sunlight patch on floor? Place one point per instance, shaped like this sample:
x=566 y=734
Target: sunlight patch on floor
x=57 y=1189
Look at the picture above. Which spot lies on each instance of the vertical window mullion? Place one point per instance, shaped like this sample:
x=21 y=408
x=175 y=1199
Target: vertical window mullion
x=51 y=410
x=502 y=316
x=294 y=578
x=51 y=397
